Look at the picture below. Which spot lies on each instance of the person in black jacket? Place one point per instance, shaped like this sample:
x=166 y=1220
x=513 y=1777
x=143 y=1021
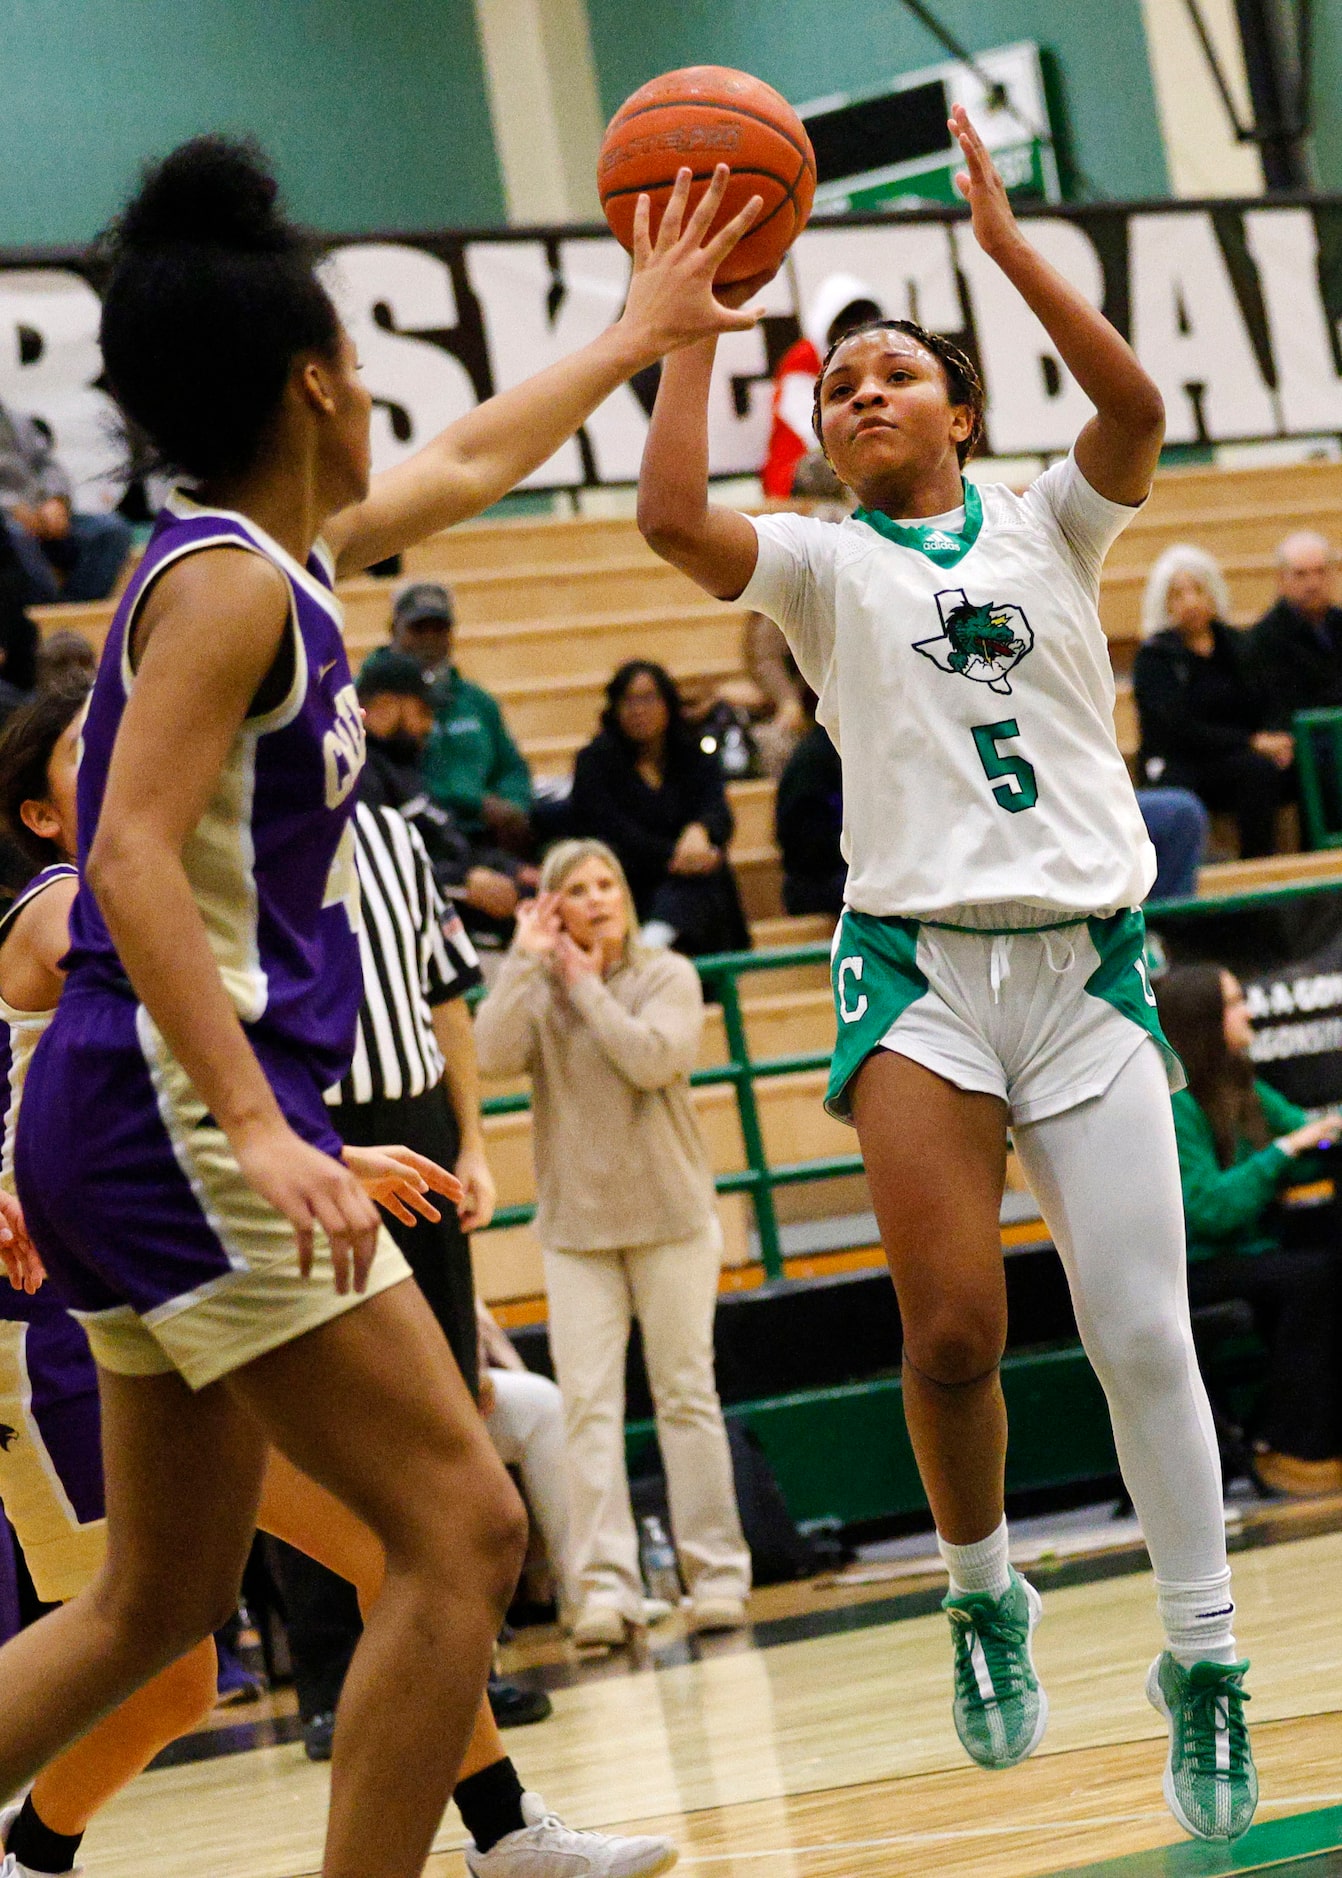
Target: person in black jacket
x=1202 y=719
x=1295 y=650
x=808 y=821
x=645 y=788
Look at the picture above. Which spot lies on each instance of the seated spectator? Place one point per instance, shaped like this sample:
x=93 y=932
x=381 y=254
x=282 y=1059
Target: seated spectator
x=1178 y=825
x=609 y=1032
x=645 y=788
x=65 y=658
x=397 y=701
x=1241 y=1143
x=524 y=1414
x=808 y=822
x=1201 y=718
x=471 y=764
x=1295 y=650
x=63 y=554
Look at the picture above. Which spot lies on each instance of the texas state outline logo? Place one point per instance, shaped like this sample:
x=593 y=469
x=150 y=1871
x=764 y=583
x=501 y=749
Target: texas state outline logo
x=979 y=642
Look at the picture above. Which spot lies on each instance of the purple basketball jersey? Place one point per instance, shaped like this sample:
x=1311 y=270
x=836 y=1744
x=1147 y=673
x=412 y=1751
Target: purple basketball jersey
x=271 y=863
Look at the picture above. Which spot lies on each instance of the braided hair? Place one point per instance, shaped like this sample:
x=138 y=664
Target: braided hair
x=963 y=384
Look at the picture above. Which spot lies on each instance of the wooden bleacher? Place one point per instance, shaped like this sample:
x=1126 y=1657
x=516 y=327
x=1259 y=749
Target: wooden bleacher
x=547 y=609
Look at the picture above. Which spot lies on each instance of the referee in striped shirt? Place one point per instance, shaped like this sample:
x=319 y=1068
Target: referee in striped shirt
x=413 y=1079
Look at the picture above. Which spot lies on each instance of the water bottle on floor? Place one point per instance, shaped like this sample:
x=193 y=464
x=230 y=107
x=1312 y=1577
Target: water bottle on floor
x=657 y=1556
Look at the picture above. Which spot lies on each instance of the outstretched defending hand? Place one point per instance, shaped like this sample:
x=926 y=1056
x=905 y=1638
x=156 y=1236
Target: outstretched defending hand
x=399 y=1179
x=994 y=219
x=671 y=301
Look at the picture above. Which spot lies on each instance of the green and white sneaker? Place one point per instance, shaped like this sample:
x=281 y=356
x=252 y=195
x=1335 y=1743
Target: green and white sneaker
x=1211 y=1783
x=1000 y=1710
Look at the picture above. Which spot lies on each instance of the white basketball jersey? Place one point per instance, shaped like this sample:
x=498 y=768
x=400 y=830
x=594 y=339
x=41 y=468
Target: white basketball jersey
x=965 y=680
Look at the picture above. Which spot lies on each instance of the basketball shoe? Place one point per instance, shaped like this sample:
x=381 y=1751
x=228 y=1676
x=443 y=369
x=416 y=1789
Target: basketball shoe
x=1211 y=1784
x=1000 y=1710
x=547 y=1848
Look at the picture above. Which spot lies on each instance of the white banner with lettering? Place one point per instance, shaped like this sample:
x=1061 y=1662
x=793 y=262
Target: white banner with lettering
x=1234 y=308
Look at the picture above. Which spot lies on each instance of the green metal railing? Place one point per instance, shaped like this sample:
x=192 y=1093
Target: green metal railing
x=721 y=974
x=1318 y=760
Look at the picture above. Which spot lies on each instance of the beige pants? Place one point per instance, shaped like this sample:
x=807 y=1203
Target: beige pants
x=673 y=1291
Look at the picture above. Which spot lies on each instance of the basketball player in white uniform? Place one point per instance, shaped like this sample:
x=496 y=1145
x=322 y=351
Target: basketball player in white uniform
x=988 y=969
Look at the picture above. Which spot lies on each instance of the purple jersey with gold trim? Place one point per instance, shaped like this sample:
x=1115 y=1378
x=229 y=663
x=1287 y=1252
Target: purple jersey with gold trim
x=271 y=862
x=48 y=1381
x=19 y=1034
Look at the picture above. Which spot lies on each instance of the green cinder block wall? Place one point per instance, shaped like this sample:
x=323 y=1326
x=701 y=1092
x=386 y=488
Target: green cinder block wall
x=374 y=111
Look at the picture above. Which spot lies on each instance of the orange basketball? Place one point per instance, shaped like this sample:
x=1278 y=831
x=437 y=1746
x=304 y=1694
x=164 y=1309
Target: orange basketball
x=698 y=118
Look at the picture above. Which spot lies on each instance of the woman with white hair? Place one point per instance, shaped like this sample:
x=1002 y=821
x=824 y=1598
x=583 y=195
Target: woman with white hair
x=1201 y=716
x=608 y=1031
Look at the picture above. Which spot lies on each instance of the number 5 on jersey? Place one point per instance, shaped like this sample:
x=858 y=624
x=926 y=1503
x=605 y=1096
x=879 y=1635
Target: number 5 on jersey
x=1016 y=789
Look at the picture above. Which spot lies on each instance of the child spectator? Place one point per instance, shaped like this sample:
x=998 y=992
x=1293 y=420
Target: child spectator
x=1240 y=1143
x=645 y=788
x=1201 y=716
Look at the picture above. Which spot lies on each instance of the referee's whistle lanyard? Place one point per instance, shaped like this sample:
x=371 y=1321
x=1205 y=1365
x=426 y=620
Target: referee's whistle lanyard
x=999 y=957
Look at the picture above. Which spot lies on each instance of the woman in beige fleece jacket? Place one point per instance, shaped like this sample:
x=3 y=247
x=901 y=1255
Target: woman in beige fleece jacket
x=608 y=1032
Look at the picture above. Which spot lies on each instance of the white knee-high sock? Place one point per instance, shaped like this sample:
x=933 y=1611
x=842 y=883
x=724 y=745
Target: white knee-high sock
x=1106 y=1175
x=982 y=1566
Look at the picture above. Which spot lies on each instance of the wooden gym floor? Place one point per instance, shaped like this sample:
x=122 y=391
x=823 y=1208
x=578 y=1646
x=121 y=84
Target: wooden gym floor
x=821 y=1745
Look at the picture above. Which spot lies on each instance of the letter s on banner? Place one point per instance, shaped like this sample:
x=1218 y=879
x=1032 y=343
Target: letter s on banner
x=421 y=380
x=49 y=361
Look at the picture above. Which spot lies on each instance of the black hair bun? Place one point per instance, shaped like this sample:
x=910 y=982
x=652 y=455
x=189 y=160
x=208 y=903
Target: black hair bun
x=213 y=190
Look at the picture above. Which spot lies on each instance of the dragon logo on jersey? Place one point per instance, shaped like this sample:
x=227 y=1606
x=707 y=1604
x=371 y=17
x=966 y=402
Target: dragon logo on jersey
x=978 y=642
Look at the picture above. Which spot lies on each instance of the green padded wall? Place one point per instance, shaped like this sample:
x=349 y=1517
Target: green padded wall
x=374 y=111
x=1100 y=75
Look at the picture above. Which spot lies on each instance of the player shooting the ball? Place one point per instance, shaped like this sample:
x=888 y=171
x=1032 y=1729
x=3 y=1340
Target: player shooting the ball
x=989 y=968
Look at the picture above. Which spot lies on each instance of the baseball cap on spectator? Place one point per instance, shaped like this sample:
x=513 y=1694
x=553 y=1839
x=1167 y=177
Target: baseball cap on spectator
x=420 y=603
x=388 y=671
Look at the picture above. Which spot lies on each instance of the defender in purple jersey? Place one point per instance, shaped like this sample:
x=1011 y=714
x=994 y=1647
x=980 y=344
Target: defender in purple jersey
x=51 y=1481
x=177 y=1176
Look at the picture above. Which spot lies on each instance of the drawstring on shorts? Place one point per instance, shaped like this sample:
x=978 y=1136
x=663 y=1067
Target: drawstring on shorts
x=999 y=957
x=1068 y=951
x=999 y=964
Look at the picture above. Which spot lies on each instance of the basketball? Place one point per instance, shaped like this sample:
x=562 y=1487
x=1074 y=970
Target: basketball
x=699 y=117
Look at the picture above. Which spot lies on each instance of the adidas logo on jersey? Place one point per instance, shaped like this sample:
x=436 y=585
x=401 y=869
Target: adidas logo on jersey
x=936 y=540
x=979 y=641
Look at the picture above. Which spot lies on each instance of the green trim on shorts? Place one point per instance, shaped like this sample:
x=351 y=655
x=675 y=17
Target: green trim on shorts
x=1006 y=932
x=1122 y=980
x=875 y=976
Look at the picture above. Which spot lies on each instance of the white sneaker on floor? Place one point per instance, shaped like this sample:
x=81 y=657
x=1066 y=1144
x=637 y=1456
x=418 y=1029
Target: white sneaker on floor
x=707 y=1615
x=547 y=1848
x=601 y=1627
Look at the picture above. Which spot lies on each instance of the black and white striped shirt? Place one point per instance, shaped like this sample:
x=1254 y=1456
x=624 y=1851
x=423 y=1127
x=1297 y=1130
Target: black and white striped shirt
x=415 y=954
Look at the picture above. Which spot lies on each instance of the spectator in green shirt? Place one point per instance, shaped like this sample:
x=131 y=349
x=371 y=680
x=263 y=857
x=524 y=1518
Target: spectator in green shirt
x=1240 y=1144
x=471 y=764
